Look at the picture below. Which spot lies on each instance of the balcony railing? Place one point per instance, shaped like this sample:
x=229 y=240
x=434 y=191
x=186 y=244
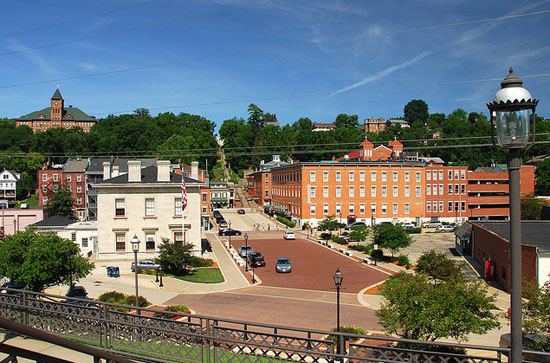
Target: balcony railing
x=193 y=338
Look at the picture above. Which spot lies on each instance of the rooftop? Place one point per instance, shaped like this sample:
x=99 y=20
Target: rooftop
x=534 y=233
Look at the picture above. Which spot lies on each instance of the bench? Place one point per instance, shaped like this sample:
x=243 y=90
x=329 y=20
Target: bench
x=349 y=253
x=368 y=261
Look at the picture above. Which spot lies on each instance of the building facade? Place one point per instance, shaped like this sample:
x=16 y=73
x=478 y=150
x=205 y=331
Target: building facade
x=374 y=124
x=57 y=116
x=8 y=184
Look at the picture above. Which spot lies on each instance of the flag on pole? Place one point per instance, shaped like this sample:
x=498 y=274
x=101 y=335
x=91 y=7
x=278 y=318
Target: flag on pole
x=183 y=194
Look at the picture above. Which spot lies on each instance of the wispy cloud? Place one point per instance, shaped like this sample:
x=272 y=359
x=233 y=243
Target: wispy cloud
x=32 y=56
x=384 y=73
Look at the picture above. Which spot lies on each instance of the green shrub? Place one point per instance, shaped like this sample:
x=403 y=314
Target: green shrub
x=325 y=236
x=286 y=221
x=379 y=254
x=362 y=248
x=348 y=330
x=171 y=308
x=339 y=240
x=206 y=262
x=123 y=299
x=403 y=260
x=112 y=296
x=416 y=230
x=142 y=302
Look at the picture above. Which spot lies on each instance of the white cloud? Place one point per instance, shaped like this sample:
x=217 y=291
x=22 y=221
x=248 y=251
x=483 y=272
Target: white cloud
x=32 y=56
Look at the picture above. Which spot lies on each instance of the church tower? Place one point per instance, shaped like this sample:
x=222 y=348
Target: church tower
x=56 y=109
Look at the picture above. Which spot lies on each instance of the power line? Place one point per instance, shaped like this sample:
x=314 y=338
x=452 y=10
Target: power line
x=77 y=19
x=127 y=30
x=267 y=49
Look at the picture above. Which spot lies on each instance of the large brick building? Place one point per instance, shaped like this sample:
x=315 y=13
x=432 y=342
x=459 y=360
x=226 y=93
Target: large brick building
x=57 y=116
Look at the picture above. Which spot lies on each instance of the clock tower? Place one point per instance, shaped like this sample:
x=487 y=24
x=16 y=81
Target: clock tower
x=56 y=109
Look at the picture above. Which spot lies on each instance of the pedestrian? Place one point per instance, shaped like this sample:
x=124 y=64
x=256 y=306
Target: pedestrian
x=269 y=227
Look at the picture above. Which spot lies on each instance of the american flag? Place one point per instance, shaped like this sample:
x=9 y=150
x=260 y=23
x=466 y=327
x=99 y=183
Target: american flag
x=183 y=194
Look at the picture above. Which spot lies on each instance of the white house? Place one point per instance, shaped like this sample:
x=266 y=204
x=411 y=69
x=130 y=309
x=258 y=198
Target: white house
x=146 y=202
x=8 y=184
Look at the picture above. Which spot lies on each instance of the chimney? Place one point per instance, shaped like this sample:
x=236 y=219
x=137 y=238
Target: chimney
x=163 y=170
x=112 y=159
x=195 y=170
x=276 y=158
x=134 y=171
x=116 y=171
x=261 y=162
x=106 y=170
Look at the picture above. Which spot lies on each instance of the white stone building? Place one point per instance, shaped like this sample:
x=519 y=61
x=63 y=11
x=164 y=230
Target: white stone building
x=146 y=202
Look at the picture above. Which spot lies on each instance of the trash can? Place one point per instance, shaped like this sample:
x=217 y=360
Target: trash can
x=116 y=271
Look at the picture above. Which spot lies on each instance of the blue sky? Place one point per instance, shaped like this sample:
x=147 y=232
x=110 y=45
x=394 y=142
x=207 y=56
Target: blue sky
x=296 y=59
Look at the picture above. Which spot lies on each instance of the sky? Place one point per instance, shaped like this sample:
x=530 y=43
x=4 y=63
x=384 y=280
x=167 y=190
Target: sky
x=295 y=59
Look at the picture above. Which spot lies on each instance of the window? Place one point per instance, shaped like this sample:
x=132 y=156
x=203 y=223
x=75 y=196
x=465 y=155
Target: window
x=79 y=201
x=428 y=189
x=450 y=175
x=418 y=177
x=178 y=238
x=338 y=209
x=311 y=176
x=373 y=191
x=463 y=206
x=120 y=242
x=149 y=241
x=84 y=242
x=68 y=178
x=325 y=192
x=361 y=191
x=351 y=208
x=361 y=176
x=149 y=207
x=55 y=177
x=79 y=178
x=456 y=207
x=44 y=189
x=266 y=194
x=373 y=209
x=435 y=207
x=441 y=175
x=429 y=207
x=362 y=208
x=456 y=188
x=351 y=176
x=462 y=188
x=266 y=183
x=434 y=190
x=450 y=189
x=177 y=206
x=450 y=206
x=338 y=191
x=395 y=192
x=435 y=175
x=395 y=209
x=384 y=176
x=312 y=210
x=204 y=210
x=407 y=176
x=441 y=206
x=204 y=197
x=313 y=192
x=395 y=178
x=44 y=200
x=119 y=208
x=384 y=208
x=407 y=192
x=325 y=176
x=44 y=177
x=384 y=191
x=407 y=208
x=338 y=176
x=463 y=174
x=428 y=175
x=440 y=189
x=373 y=176
x=73 y=236
x=325 y=209
x=351 y=192
x=55 y=188
x=456 y=174
x=79 y=188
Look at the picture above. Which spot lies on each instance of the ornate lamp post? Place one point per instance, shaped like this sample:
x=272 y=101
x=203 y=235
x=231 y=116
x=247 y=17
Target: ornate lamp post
x=338 y=277
x=70 y=255
x=246 y=259
x=510 y=115
x=230 y=231
x=135 y=247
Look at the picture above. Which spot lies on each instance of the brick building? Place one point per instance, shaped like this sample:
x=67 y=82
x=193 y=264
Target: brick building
x=374 y=124
x=262 y=180
x=57 y=116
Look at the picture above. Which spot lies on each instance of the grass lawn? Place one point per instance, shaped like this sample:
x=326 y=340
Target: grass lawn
x=32 y=201
x=204 y=275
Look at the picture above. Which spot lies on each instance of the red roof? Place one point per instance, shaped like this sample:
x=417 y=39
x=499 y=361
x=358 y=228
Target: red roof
x=395 y=143
x=354 y=154
x=366 y=142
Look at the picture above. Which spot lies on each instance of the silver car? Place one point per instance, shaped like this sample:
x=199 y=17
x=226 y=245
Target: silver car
x=245 y=250
x=283 y=265
x=145 y=265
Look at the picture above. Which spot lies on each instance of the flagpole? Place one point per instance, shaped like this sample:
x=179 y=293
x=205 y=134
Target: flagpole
x=183 y=206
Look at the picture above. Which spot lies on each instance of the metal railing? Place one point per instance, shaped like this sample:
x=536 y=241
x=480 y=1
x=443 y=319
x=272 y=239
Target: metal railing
x=178 y=337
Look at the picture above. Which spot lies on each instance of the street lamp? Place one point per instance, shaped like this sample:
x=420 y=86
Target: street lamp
x=135 y=247
x=69 y=255
x=510 y=115
x=340 y=225
x=246 y=243
x=230 y=231
x=338 y=277
x=375 y=248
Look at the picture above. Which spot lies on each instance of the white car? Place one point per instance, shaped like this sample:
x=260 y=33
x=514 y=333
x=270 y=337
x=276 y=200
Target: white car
x=408 y=225
x=289 y=235
x=445 y=228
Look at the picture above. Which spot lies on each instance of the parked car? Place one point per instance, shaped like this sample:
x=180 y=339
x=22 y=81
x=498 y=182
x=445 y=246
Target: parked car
x=13 y=285
x=289 y=235
x=241 y=211
x=355 y=224
x=408 y=225
x=445 y=228
x=244 y=250
x=222 y=223
x=78 y=295
x=256 y=259
x=385 y=224
x=351 y=239
x=216 y=214
x=431 y=224
x=283 y=265
x=229 y=232
x=145 y=265
x=527 y=341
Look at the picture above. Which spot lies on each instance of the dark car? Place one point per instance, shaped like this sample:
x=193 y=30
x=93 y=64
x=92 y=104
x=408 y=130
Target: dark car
x=13 y=285
x=146 y=265
x=528 y=341
x=222 y=223
x=356 y=225
x=229 y=232
x=216 y=214
x=241 y=211
x=256 y=259
x=78 y=295
x=386 y=224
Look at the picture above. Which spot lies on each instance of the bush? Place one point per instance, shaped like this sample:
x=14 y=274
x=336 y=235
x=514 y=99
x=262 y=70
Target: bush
x=416 y=230
x=365 y=249
x=348 y=330
x=379 y=254
x=123 y=299
x=206 y=262
x=142 y=302
x=339 y=240
x=403 y=260
x=112 y=296
x=286 y=221
x=171 y=308
x=325 y=236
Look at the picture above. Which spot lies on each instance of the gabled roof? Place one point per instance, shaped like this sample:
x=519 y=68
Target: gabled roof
x=69 y=114
x=57 y=95
x=54 y=221
x=395 y=143
x=382 y=146
x=366 y=142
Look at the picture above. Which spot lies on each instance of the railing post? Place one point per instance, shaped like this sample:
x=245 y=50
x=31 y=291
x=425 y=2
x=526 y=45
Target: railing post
x=207 y=339
x=106 y=327
x=25 y=317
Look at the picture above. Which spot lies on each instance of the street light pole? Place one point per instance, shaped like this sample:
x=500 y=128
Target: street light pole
x=510 y=115
x=135 y=247
x=246 y=259
x=230 y=235
x=338 y=277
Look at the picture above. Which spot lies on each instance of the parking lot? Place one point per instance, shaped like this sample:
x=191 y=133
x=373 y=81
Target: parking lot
x=312 y=265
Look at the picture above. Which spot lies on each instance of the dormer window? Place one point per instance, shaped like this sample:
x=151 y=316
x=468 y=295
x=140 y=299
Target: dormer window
x=41 y=115
x=69 y=115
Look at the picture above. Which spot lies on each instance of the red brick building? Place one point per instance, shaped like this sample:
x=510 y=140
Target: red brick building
x=374 y=124
x=57 y=116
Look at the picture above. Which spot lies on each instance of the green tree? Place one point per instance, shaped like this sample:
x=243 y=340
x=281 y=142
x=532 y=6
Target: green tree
x=531 y=207
x=329 y=224
x=438 y=266
x=174 y=257
x=41 y=260
x=142 y=112
x=416 y=309
x=61 y=203
x=416 y=110
x=346 y=121
x=536 y=312
x=543 y=178
x=391 y=237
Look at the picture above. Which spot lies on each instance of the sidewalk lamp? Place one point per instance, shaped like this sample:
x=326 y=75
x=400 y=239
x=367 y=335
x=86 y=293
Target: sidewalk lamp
x=70 y=255
x=509 y=113
x=338 y=277
x=230 y=231
x=135 y=247
x=246 y=243
x=374 y=248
